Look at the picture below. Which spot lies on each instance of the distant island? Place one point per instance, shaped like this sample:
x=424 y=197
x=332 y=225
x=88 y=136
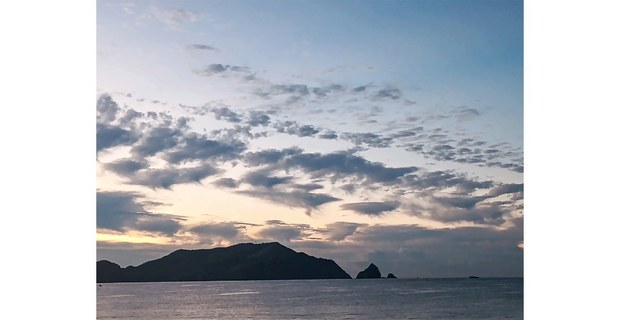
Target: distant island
x=372 y=272
x=246 y=261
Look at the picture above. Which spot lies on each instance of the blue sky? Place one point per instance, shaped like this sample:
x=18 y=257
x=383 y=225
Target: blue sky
x=372 y=130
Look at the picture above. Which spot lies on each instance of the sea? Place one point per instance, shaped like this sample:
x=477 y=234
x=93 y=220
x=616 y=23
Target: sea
x=484 y=298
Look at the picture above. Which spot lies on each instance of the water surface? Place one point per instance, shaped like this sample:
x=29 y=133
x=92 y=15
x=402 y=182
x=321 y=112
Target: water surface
x=315 y=299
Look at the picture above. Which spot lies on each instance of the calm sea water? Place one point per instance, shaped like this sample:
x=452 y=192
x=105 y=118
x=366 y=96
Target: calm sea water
x=315 y=299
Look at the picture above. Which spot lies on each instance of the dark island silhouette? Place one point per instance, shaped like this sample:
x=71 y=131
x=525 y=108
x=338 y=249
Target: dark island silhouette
x=372 y=272
x=245 y=261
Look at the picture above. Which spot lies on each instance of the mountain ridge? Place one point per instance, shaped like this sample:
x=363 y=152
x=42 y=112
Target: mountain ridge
x=244 y=261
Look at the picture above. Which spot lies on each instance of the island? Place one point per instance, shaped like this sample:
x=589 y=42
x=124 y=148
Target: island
x=372 y=272
x=245 y=261
x=391 y=276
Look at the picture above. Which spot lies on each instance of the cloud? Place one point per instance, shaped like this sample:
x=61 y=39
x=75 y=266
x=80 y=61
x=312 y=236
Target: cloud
x=193 y=146
x=389 y=93
x=505 y=188
x=296 y=199
x=126 y=167
x=260 y=179
x=122 y=211
x=226 y=183
x=465 y=113
x=367 y=138
x=201 y=47
x=226 y=230
x=371 y=208
x=294 y=128
x=330 y=135
x=224 y=70
x=280 y=233
x=167 y=177
x=339 y=231
x=331 y=165
x=155 y=140
x=445 y=179
x=226 y=114
x=106 y=109
x=109 y=136
x=258 y=118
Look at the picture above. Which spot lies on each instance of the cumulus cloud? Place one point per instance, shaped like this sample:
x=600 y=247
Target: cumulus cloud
x=294 y=128
x=328 y=166
x=123 y=211
x=224 y=113
x=371 y=208
x=193 y=146
x=258 y=118
x=109 y=136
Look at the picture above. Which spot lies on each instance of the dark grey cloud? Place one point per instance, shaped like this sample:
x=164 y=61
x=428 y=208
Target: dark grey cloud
x=296 y=199
x=464 y=202
x=109 y=136
x=226 y=230
x=130 y=116
x=167 y=177
x=281 y=89
x=226 y=183
x=161 y=177
x=281 y=233
x=339 y=231
x=269 y=156
x=155 y=140
x=324 y=91
x=332 y=165
x=198 y=147
x=224 y=113
x=297 y=92
x=294 y=128
x=371 y=208
x=258 y=118
x=438 y=180
x=122 y=211
x=106 y=109
x=390 y=93
x=330 y=135
x=232 y=135
x=224 y=70
x=262 y=179
x=465 y=113
x=367 y=138
x=126 y=167
x=202 y=47
x=360 y=88
x=505 y=188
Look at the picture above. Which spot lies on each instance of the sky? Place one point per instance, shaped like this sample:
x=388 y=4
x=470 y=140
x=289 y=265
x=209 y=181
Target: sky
x=388 y=132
